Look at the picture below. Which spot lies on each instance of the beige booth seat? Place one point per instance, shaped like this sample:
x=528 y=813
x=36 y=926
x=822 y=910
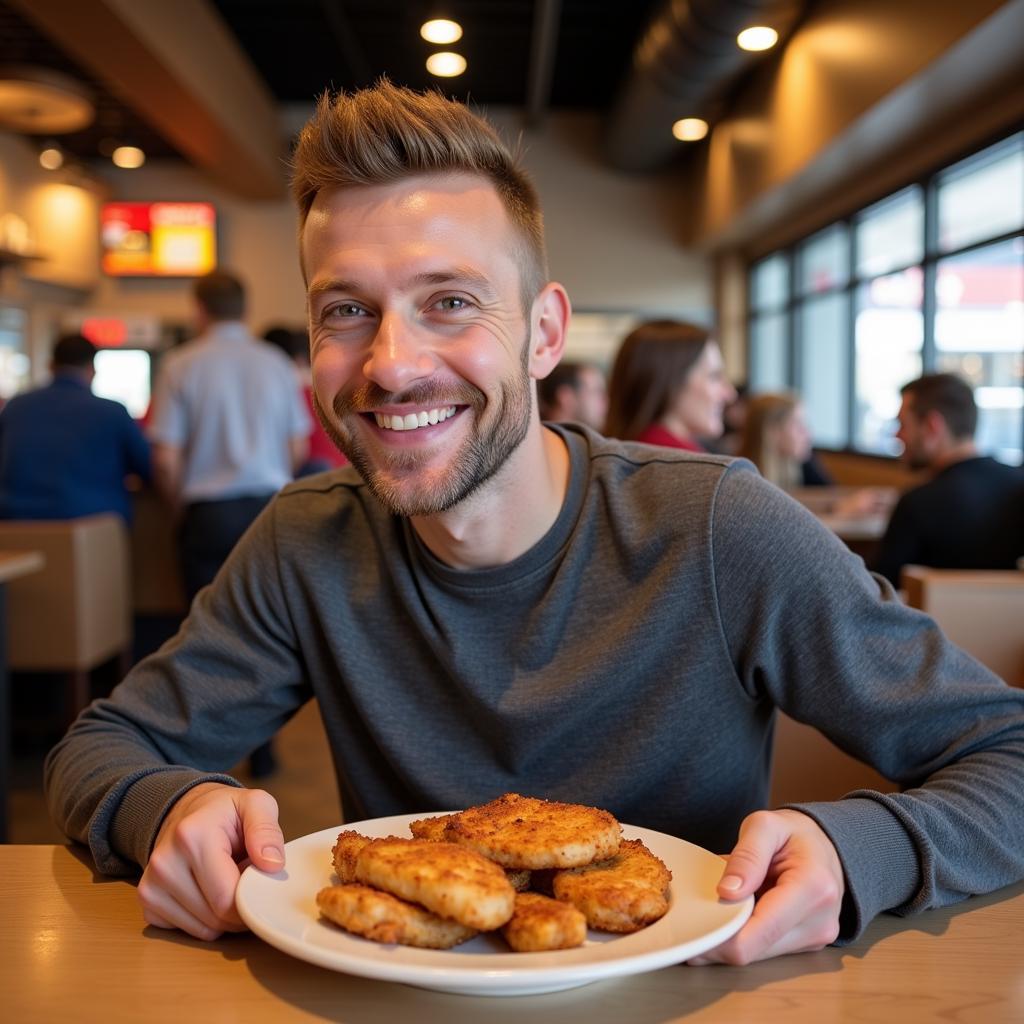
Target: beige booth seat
x=981 y=611
x=75 y=614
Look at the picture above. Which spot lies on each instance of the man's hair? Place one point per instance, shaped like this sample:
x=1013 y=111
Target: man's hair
x=948 y=395
x=387 y=133
x=221 y=295
x=565 y=374
x=650 y=369
x=73 y=352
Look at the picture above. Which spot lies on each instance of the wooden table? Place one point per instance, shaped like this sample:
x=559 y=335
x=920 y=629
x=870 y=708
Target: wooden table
x=73 y=947
x=13 y=565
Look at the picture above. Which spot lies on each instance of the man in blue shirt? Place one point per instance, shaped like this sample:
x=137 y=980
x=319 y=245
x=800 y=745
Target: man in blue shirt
x=64 y=452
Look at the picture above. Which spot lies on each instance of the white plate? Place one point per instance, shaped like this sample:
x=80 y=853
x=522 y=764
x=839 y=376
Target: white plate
x=281 y=908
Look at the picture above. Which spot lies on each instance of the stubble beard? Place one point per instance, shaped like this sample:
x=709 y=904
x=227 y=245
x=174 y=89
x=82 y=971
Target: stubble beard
x=392 y=476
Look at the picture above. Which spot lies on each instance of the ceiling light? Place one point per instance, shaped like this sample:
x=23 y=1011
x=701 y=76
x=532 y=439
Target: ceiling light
x=39 y=101
x=757 y=37
x=446 y=65
x=441 y=30
x=51 y=158
x=128 y=157
x=690 y=129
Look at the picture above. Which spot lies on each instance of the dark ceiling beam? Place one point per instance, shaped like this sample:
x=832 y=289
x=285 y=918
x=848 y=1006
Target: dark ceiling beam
x=180 y=69
x=543 y=51
x=344 y=36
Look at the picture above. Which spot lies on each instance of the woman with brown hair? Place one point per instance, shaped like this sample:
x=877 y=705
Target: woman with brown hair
x=776 y=439
x=668 y=386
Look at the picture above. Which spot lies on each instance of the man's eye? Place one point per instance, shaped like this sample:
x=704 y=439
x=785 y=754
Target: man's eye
x=452 y=303
x=344 y=309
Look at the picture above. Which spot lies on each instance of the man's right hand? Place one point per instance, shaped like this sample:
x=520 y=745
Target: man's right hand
x=193 y=870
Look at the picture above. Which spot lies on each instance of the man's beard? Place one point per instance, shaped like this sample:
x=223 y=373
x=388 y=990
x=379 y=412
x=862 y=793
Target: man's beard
x=472 y=465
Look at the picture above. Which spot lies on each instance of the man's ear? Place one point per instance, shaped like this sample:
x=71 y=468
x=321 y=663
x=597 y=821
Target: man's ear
x=936 y=425
x=549 y=323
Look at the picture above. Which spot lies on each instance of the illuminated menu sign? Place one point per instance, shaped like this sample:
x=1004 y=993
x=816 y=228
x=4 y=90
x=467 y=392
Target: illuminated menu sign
x=158 y=239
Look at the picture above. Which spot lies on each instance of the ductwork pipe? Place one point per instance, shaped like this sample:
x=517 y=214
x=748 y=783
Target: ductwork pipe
x=684 y=62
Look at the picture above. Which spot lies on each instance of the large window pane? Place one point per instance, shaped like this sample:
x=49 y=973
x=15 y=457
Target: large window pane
x=887 y=336
x=890 y=234
x=14 y=363
x=979 y=334
x=982 y=197
x=823 y=361
x=769 y=283
x=769 y=357
x=823 y=261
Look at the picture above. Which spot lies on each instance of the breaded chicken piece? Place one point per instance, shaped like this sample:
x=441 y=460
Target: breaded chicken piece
x=524 y=832
x=344 y=854
x=541 y=923
x=622 y=894
x=449 y=880
x=431 y=828
x=384 y=918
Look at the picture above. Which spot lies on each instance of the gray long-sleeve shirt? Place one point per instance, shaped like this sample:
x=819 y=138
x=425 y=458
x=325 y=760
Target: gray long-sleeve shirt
x=632 y=659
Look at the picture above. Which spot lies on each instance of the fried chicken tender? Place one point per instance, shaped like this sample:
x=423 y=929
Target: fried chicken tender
x=449 y=880
x=384 y=918
x=434 y=830
x=524 y=832
x=431 y=828
x=622 y=894
x=344 y=854
x=541 y=923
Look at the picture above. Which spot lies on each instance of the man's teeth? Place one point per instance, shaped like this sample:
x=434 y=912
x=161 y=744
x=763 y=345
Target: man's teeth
x=414 y=420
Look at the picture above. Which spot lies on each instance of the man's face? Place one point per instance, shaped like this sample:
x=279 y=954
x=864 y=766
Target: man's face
x=418 y=339
x=913 y=432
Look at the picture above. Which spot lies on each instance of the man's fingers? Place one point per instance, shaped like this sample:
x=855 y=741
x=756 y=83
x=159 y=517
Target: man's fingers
x=264 y=841
x=747 y=865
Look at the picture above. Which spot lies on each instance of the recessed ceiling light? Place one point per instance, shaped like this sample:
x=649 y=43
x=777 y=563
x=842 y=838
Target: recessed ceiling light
x=441 y=30
x=690 y=129
x=446 y=65
x=757 y=37
x=128 y=157
x=51 y=158
x=39 y=101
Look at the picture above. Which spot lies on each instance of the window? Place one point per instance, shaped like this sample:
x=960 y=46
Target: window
x=928 y=279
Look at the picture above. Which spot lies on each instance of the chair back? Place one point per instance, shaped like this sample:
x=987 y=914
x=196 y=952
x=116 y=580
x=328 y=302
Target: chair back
x=981 y=611
x=76 y=612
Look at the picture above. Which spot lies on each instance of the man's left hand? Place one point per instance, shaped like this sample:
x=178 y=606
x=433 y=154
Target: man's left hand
x=789 y=863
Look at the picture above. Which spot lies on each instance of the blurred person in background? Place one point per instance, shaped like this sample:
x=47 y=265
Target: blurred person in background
x=970 y=513
x=65 y=452
x=229 y=428
x=777 y=440
x=574 y=393
x=668 y=386
x=323 y=453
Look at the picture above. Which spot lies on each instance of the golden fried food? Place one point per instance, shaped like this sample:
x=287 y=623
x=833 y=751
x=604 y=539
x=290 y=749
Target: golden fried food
x=384 y=918
x=524 y=832
x=519 y=877
x=450 y=880
x=541 y=923
x=622 y=894
x=431 y=828
x=344 y=854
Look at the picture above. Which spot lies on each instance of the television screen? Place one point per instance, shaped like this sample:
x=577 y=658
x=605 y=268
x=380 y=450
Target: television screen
x=158 y=239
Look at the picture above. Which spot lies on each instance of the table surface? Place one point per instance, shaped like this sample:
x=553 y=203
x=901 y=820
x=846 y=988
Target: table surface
x=73 y=946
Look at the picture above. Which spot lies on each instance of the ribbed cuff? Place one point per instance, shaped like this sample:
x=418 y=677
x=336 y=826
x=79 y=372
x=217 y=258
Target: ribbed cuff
x=879 y=859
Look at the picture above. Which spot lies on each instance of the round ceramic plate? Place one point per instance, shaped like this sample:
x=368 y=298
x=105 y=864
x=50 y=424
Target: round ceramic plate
x=281 y=908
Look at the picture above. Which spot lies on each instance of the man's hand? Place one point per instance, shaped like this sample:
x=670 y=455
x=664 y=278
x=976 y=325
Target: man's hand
x=792 y=866
x=193 y=870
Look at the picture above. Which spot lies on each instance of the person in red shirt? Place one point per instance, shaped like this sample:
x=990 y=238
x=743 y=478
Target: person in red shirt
x=668 y=386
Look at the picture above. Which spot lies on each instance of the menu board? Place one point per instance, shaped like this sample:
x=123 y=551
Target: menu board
x=158 y=239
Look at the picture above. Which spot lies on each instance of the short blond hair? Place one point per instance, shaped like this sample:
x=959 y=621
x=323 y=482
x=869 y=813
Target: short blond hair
x=387 y=133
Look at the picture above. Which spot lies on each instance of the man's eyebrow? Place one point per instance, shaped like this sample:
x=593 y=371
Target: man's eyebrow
x=451 y=276
x=318 y=288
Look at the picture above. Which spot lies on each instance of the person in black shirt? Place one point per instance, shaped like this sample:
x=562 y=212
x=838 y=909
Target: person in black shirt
x=970 y=514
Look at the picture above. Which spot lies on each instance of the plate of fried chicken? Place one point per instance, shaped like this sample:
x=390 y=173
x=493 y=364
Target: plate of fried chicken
x=518 y=896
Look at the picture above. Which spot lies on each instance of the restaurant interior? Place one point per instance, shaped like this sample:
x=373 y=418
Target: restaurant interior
x=842 y=202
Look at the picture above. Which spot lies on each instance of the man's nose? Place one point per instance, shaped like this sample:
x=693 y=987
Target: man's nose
x=398 y=356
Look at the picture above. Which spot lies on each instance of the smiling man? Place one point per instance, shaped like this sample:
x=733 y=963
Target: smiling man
x=483 y=604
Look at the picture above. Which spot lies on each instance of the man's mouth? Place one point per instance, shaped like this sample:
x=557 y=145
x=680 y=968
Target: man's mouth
x=414 y=420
